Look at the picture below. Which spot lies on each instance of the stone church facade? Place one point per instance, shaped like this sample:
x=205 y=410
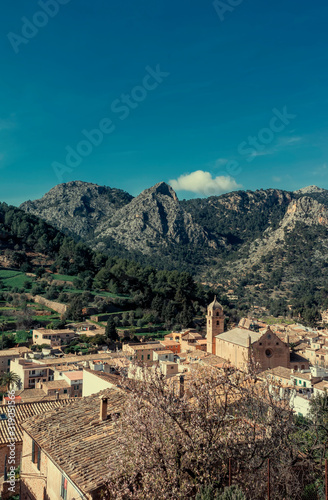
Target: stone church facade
x=240 y=346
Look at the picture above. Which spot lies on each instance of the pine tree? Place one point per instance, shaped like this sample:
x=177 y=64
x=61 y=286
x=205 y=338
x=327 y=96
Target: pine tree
x=111 y=332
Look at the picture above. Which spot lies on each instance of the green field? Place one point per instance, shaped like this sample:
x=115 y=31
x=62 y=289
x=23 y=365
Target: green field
x=6 y=273
x=155 y=335
x=62 y=277
x=13 y=278
x=97 y=294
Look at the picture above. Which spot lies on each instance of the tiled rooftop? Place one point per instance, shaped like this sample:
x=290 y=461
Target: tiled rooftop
x=35 y=395
x=154 y=347
x=239 y=336
x=74 y=375
x=303 y=376
x=76 y=440
x=79 y=359
x=54 y=384
x=279 y=371
x=323 y=385
x=14 y=351
x=24 y=411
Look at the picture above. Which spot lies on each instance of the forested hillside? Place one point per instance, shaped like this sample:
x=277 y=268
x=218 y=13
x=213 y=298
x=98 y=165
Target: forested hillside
x=30 y=244
x=257 y=248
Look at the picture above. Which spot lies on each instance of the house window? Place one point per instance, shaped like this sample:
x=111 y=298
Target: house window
x=36 y=454
x=8 y=362
x=65 y=391
x=63 y=489
x=148 y=356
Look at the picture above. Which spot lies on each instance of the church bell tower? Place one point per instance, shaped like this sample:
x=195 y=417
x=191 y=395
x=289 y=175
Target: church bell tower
x=214 y=324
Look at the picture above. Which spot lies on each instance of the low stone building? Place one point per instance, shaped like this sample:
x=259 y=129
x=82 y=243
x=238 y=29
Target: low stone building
x=53 y=338
x=143 y=353
x=7 y=355
x=30 y=372
x=65 y=452
x=173 y=345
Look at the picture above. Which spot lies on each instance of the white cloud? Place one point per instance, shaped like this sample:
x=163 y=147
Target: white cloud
x=203 y=183
x=265 y=152
x=287 y=141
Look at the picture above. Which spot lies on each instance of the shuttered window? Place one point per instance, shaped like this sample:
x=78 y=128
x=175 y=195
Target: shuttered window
x=36 y=454
x=63 y=489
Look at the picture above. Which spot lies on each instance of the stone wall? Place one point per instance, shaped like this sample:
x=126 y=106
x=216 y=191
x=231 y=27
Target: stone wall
x=55 y=306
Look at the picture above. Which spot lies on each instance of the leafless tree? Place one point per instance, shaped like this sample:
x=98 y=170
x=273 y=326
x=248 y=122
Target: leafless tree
x=172 y=443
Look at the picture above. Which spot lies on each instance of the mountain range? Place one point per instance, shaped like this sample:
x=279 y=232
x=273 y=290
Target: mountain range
x=265 y=239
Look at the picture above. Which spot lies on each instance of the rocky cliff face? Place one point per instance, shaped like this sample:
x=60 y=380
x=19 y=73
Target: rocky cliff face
x=155 y=219
x=304 y=212
x=78 y=207
x=223 y=234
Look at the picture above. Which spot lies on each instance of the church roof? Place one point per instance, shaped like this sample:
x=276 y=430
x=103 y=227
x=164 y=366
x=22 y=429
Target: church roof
x=215 y=304
x=239 y=336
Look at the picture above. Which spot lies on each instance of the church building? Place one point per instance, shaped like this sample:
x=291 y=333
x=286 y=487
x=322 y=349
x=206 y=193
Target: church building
x=240 y=346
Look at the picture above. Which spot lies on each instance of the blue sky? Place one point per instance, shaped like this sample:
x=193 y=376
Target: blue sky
x=186 y=93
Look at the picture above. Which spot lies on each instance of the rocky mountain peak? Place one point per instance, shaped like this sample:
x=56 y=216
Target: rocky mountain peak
x=77 y=207
x=310 y=190
x=161 y=188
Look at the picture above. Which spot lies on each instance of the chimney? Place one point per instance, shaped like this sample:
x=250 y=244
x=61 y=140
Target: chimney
x=182 y=389
x=103 y=408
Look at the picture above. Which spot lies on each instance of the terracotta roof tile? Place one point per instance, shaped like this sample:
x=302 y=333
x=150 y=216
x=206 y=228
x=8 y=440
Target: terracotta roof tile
x=24 y=411
x=76 y=439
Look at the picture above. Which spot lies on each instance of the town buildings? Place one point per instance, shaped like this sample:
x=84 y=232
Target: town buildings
x=242 y=347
